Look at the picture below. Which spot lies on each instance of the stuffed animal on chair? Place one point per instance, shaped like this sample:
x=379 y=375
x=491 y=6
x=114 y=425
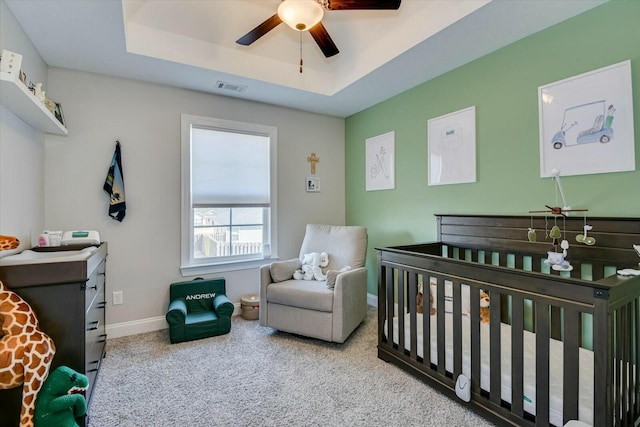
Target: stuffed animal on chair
x=485 y=302
x=312 y=265
x=25 y=351
x=61 y=399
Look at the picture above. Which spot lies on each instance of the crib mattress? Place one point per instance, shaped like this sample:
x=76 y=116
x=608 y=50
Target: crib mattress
x=585 y=399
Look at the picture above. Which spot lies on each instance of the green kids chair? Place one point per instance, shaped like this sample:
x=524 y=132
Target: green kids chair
x=198 y=309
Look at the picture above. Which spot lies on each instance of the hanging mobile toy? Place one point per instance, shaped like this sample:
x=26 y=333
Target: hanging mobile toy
x=584 y=238
x=556 y=260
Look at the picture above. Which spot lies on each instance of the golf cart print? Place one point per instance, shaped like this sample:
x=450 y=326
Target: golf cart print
x=573 y=130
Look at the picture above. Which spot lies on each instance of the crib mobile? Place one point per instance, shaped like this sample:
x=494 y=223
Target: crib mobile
x=557 y=259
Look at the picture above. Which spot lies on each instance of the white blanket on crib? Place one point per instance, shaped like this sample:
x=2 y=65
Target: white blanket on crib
x=585 y=402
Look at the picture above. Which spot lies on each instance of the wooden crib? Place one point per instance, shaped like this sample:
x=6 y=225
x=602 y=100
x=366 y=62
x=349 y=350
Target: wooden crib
x=584 y=325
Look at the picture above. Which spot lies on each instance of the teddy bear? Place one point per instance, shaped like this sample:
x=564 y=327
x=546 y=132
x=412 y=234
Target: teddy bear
x=484 y=307
x=312 y=265
x=420 y=299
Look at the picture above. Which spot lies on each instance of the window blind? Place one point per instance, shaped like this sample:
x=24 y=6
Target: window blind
x=229 y=168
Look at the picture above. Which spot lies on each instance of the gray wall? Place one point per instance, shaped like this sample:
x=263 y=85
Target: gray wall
x=144 y=250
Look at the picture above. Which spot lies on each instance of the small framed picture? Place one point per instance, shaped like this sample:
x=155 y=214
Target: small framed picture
x=313 y=184
x=58 y=113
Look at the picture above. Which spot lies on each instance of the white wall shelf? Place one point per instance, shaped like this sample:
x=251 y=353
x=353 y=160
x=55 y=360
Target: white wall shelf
x=18 y=99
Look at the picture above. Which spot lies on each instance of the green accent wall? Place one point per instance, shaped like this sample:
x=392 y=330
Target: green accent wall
x=503 y=86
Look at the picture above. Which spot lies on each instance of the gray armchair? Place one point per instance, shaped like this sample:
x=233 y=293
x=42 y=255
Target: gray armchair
x=329 y=309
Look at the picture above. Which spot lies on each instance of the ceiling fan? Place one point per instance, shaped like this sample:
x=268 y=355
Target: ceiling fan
x=306 y=15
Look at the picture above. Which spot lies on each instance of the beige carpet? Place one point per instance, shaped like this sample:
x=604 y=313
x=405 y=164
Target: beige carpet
x=256 y=376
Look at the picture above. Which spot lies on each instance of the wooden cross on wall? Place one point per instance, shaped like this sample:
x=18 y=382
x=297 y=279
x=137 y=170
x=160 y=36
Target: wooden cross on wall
x=313 y=159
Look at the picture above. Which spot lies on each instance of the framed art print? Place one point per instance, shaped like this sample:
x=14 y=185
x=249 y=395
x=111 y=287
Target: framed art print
x=586 y=123
x=313 y=184
x=380 y=162
x=451 y=141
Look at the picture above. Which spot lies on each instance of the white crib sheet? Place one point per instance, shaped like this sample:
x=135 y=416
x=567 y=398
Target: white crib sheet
x=585 y=399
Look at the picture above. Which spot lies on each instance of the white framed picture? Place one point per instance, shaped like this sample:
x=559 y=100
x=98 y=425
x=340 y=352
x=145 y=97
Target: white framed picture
x=451 y=141
x=313 y=184
x=586 y=123
x=380 y=162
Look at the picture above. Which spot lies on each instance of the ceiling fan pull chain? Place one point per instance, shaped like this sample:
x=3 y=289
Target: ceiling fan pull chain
x=300 y=52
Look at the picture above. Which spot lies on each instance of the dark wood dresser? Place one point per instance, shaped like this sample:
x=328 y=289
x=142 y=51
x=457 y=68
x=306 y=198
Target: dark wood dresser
x=69 y=300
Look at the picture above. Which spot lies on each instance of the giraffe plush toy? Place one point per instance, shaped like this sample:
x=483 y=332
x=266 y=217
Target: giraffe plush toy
x=8 y=242
x=25 y=351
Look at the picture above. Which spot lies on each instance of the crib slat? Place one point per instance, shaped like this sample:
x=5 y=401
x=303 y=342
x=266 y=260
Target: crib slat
x=571 y=364
x=634 y=388
x=382 y=302
x=542 y=363
x=517 y=356
x=426 y=325
x=556 y=323
x=441 y=327
x=576 y=273
x=502 y=259
x=474 y=297
x=602 y=362
x=390 y=313
x=597 y=271
x=495 y=349
x=413 y=293
x=536 y=263
x=626 y=359
x=457 y=329
x=401 y=310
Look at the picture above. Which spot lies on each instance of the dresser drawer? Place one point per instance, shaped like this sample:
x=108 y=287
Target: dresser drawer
x=95 y=285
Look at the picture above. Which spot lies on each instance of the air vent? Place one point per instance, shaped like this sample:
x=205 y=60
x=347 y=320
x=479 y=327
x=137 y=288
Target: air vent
x=230 y=86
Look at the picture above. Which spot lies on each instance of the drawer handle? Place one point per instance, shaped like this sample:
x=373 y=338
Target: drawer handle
x=93 y=328
x=95 y=362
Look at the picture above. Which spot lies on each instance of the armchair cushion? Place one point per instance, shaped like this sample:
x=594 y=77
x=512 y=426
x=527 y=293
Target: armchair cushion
x=309 y=294
x=283 y=270
x=331 y=239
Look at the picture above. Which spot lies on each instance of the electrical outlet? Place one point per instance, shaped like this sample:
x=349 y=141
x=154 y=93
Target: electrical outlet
x=117 y=298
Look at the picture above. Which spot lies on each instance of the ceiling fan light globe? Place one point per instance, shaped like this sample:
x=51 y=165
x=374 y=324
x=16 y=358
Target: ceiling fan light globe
x=301 y=15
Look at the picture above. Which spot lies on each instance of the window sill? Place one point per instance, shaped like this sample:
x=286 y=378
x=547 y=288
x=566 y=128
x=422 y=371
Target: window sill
x=197 y=270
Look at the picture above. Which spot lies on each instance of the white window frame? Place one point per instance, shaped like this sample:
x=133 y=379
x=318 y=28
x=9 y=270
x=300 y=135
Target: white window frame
x=190 y=266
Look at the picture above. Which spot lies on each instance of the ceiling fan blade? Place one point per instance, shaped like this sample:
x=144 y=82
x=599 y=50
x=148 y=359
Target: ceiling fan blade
x=322 y=37
x=362 y=4
x=260 y=30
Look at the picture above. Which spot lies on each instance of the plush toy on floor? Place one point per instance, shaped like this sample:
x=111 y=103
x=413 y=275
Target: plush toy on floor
x=312 y=265
x=25 y=351
x=485 y=302
x=61 y=400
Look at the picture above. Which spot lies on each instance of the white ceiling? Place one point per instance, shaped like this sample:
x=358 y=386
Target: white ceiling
x=191 y=44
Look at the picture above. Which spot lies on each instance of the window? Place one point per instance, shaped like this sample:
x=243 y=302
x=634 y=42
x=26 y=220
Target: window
x=228 y=194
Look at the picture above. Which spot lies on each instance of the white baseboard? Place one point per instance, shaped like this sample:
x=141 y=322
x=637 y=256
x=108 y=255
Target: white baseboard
x=157 y=323
x=372 y=300
x=141 y=326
